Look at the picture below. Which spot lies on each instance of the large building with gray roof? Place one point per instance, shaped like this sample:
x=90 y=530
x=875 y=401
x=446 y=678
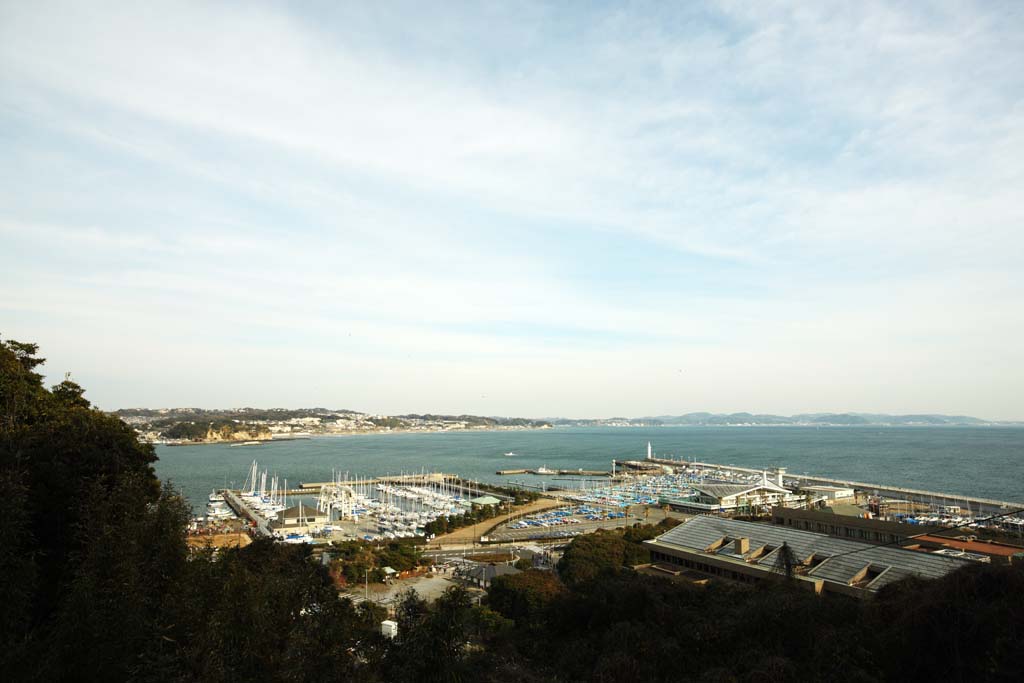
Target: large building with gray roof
x=752 y=551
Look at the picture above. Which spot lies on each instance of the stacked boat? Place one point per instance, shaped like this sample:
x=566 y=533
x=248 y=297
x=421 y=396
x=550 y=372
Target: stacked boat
x=217 y=508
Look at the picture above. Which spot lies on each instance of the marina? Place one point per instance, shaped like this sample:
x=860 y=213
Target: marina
x=679 y=484
x=400 y=506
x=390 y=507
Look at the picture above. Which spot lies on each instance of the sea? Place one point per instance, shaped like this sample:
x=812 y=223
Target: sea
x=984 y=462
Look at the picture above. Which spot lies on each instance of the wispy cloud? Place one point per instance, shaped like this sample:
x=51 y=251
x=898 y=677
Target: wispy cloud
x=640 y=209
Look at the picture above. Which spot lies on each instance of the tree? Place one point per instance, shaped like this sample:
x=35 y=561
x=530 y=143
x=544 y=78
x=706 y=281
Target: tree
x=431 y=642
x=55 y=450
x=524 y=597
x=587 y=557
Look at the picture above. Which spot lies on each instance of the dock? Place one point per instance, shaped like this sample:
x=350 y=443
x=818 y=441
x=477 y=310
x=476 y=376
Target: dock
x=563 y=473
x=469 y=488
x=314 y=487
x=241 y=509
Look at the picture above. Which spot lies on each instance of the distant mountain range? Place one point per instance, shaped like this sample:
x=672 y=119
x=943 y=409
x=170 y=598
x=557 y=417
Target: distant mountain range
x=810 y=419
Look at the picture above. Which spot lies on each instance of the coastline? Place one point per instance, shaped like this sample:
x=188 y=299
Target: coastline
x=346 y=433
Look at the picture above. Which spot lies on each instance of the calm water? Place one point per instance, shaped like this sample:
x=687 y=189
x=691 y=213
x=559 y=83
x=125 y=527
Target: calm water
x=985 y=462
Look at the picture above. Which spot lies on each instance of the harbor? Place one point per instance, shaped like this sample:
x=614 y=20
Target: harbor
x=971 y=505
x=347 y=507
x=395 y=506
x=692 y=485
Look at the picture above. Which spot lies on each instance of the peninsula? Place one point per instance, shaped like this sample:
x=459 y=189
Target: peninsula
x=198 y=425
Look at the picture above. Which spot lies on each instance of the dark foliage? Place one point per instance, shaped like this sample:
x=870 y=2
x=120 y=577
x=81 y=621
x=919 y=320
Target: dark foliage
x=609 y=623
x=358 y=561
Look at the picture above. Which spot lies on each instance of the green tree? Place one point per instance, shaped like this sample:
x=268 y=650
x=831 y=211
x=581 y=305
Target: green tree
x=55 y=451
x=432 y=639
x=525 y=597
x=589 y=556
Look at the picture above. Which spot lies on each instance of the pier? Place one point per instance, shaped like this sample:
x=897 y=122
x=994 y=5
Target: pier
x=241 y=509
x=564 y=473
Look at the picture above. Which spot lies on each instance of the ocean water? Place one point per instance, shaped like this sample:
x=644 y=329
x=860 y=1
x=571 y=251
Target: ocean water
x=985 y=462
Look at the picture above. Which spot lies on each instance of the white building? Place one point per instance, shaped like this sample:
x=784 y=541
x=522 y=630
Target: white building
x=829 y=492
x=736 y=498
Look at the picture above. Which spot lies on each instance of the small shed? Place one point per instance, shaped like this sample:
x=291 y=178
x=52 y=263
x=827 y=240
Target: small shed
x=482 y=574
x=388 y=628
x=301 y=515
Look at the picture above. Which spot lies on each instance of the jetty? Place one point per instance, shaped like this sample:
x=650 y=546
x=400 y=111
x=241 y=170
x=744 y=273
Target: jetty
x=563 y=473
x=244 y=511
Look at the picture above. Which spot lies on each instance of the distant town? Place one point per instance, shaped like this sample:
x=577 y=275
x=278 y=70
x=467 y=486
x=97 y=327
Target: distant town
x=197 y=425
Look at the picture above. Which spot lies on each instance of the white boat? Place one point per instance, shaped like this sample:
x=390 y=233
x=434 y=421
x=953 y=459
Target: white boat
x=509 y=454
x=297 y=538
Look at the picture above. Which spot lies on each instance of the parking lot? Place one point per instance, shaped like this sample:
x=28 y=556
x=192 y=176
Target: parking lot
x=565 y=522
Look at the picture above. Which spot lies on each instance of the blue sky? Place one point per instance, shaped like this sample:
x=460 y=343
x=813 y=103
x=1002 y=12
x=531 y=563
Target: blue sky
x=513 y=208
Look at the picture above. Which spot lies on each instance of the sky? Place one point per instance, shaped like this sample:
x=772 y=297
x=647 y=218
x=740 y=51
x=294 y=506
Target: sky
x=566 y=209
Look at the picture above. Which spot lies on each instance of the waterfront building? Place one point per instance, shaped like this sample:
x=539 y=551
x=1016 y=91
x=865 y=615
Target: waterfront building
x=826 y=521
x=485 y=500
x=728 y=499
x=299 y=517
x=830 y=493
x=751 y=552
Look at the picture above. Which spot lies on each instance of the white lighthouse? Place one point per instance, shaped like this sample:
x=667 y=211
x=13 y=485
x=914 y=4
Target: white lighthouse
x=648 y=450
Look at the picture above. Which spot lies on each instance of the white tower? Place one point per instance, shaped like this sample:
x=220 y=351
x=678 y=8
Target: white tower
x=648 y=450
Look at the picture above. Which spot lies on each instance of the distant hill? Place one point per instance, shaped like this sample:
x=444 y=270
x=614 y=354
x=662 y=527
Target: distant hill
x=747 y=419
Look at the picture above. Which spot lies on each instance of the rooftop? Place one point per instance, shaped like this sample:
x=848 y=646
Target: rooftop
x=982 y=547
x=306 y=511
x=837 y=560
x=486 y=572
x=726 y=490
x=847 y=518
